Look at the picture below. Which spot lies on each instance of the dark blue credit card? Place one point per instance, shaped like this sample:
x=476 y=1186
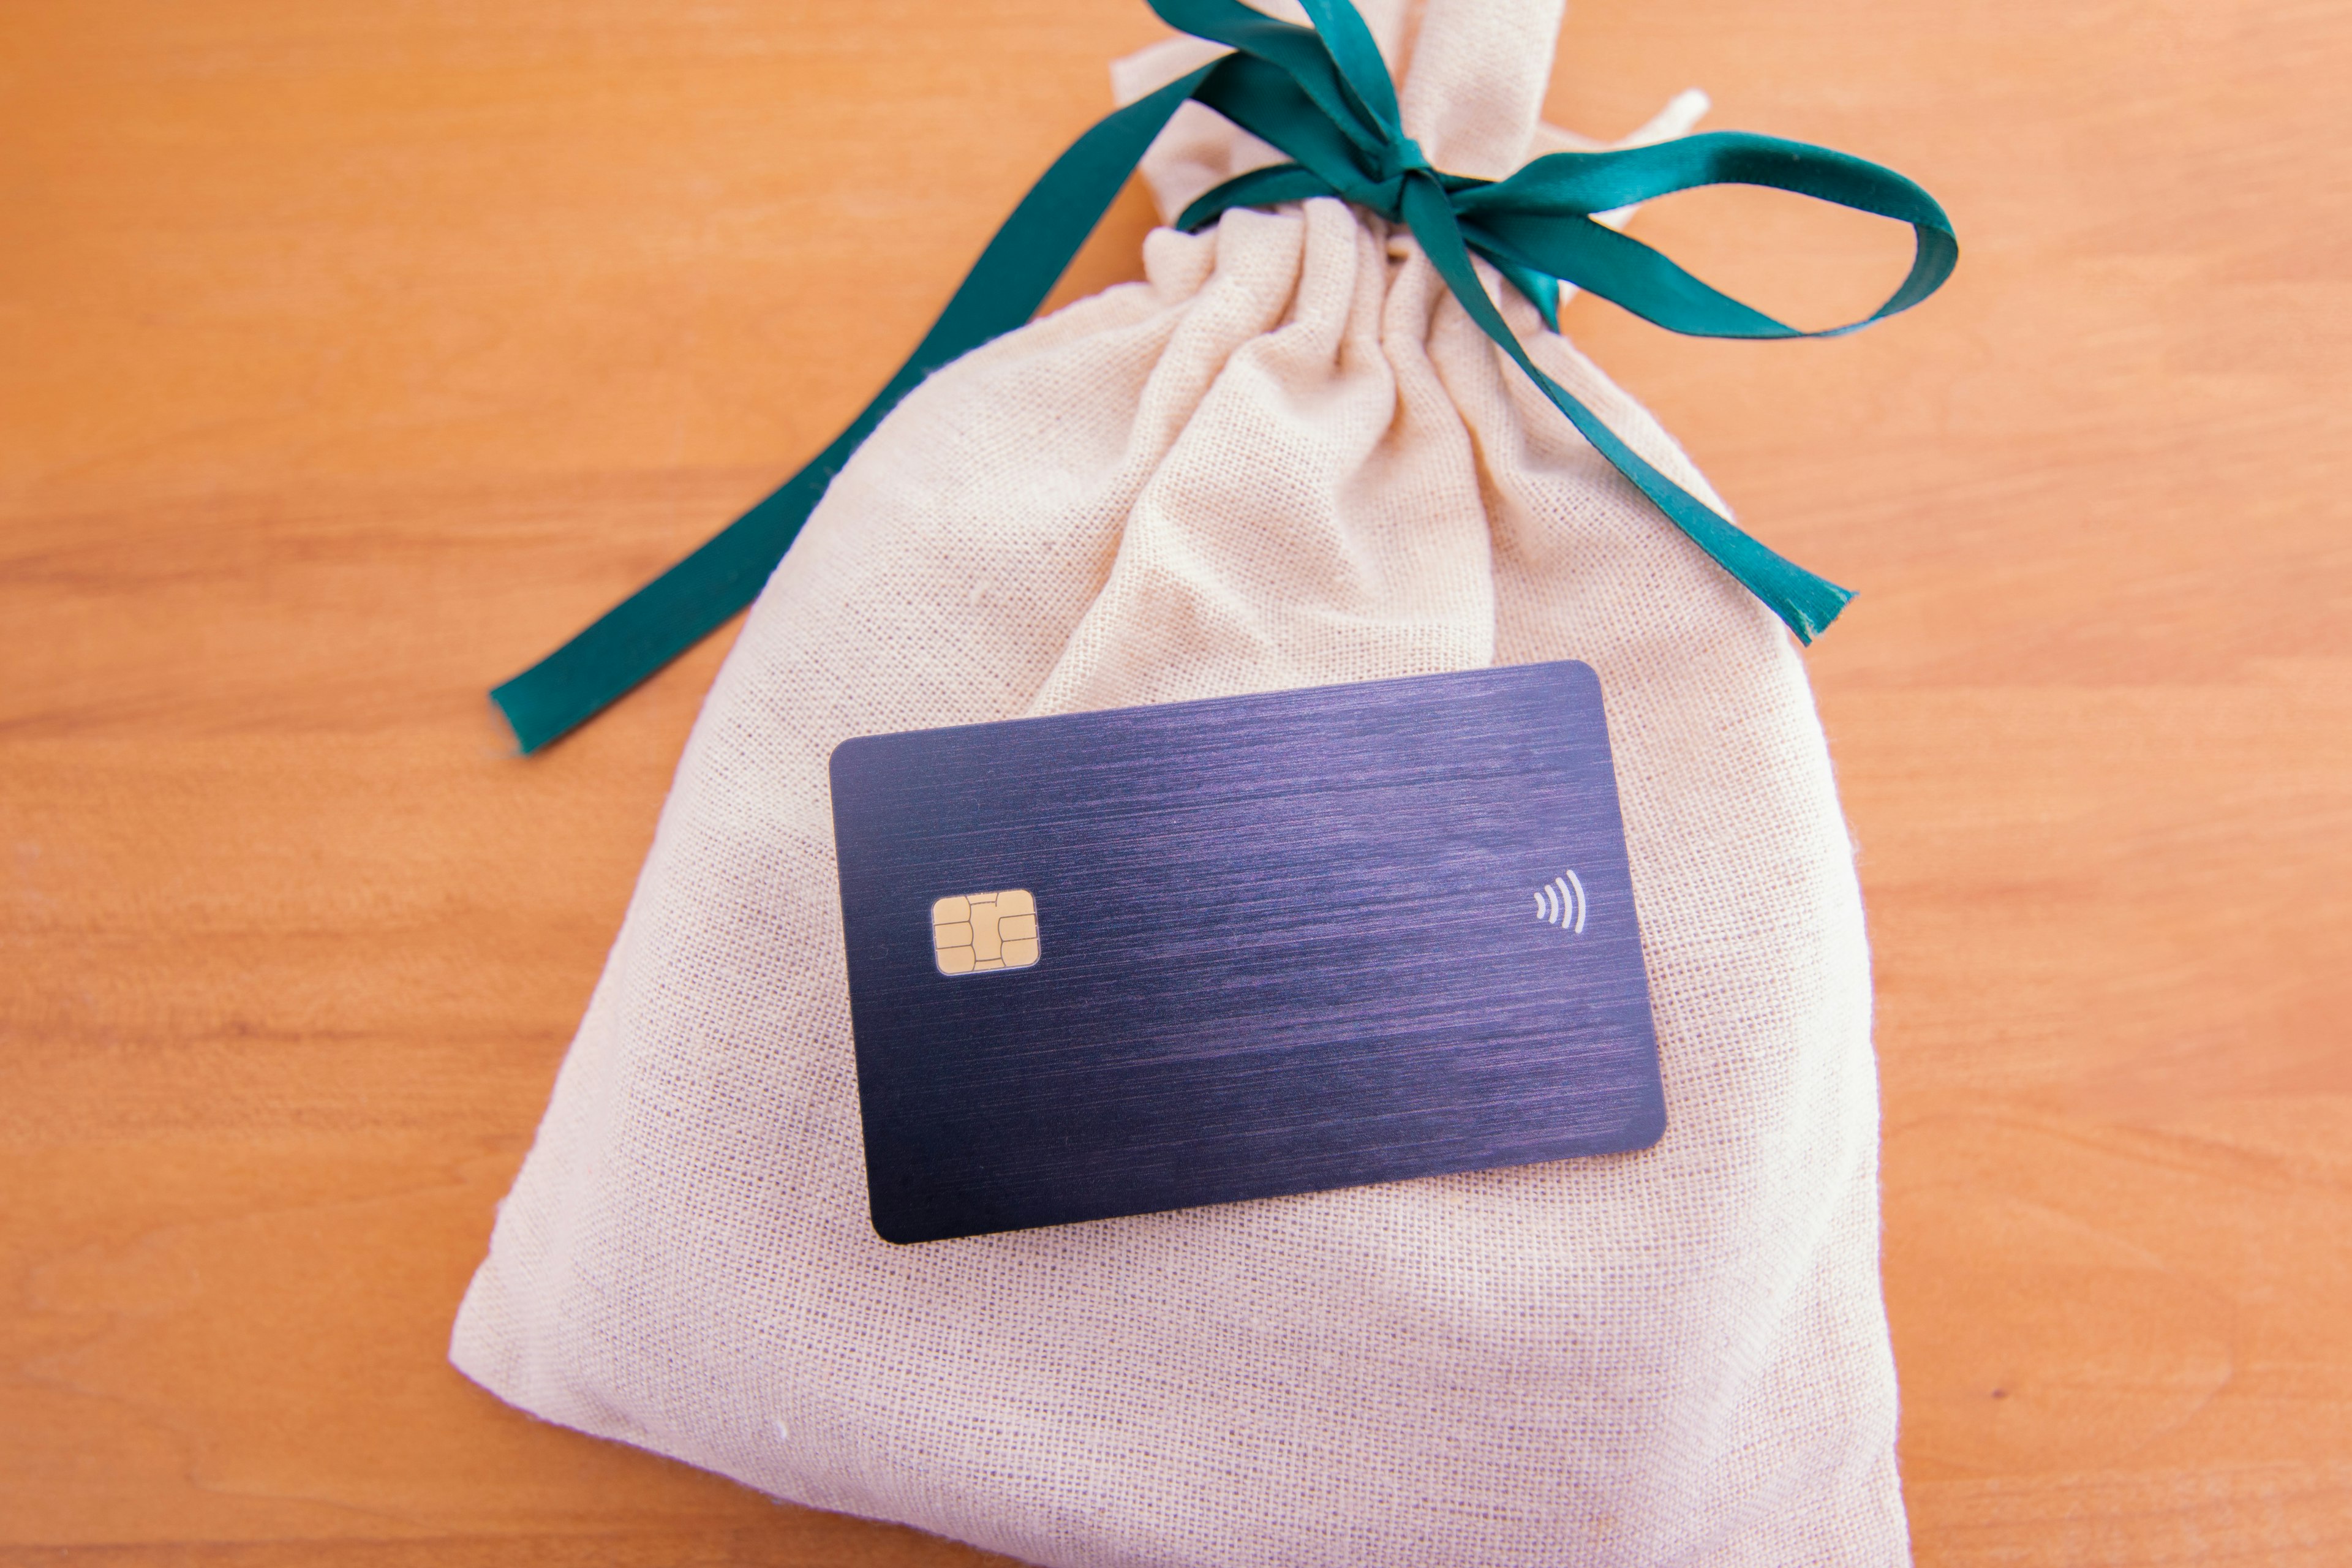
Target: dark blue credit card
x=1112 y=963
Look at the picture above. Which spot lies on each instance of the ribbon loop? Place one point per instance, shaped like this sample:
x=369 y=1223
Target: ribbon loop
x=1322 y=96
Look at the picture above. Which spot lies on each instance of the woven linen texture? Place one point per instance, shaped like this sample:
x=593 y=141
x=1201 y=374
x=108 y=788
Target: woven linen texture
x=1287 y=458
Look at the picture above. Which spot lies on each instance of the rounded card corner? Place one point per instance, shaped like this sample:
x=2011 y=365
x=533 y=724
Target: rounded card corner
x=844 y=750
x=1650 y=1130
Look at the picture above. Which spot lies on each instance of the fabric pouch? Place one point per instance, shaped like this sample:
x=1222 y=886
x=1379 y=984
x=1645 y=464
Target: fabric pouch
x=1288 y=458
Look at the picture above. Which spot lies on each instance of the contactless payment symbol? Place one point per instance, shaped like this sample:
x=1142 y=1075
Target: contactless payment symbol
x=1561 y=902
x=981 y=931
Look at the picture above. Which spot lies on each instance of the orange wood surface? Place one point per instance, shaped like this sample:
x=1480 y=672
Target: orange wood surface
x=351 y=354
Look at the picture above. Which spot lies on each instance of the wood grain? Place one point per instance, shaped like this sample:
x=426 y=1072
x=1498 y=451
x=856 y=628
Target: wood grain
x=352 y=354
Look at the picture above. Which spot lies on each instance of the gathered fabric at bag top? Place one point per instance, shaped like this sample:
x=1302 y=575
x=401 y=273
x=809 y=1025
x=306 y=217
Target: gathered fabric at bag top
x=1293 y=454
x=1322 y=95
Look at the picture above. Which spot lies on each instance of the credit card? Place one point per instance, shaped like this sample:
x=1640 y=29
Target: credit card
x=1119 y=962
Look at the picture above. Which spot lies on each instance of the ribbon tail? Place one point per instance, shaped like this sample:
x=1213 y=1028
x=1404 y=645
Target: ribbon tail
x=695 y=597
x=1805 y=602
x=1541 y=289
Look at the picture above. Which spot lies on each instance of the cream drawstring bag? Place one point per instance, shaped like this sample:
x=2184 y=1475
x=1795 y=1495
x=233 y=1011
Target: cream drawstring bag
x=1287 y=458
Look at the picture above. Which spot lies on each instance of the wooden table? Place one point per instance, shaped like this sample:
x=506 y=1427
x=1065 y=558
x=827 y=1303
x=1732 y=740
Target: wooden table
x=355 y=354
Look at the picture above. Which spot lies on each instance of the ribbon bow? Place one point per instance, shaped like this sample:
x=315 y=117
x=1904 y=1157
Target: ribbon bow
x=1324 y=98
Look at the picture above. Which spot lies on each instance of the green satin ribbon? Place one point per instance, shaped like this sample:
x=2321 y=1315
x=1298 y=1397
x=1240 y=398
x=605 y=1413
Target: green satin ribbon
x=1324 y=98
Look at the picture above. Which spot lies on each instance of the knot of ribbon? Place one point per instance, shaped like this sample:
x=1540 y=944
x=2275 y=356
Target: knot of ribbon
x=1322 y=96
x=1381 y=191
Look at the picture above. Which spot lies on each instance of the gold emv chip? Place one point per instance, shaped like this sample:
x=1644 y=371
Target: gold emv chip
x=985 y=931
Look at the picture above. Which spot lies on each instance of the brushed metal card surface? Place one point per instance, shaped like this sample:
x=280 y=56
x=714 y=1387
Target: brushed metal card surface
x=1285 y=942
